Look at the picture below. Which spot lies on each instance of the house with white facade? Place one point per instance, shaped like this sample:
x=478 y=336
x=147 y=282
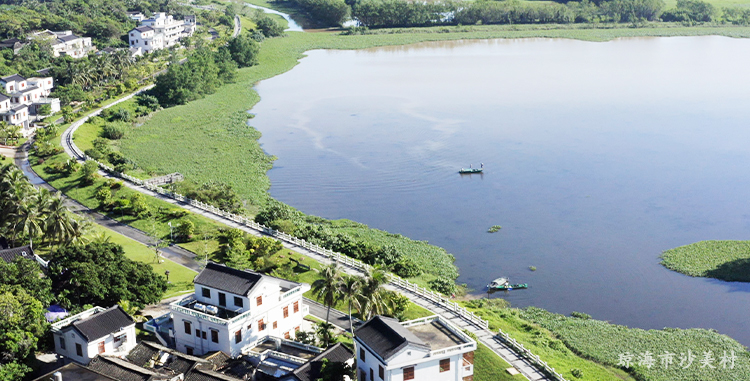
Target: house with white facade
x=232 y=309
x=65 y=43
x=160 y=31
x=427 y=349
x=96 y=331
x=23 y=97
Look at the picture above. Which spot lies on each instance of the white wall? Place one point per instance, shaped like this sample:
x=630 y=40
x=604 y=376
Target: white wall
x=90 y=350
x=425 y=368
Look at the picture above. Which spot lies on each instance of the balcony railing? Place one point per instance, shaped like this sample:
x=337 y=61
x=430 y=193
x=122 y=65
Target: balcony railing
x=468 y=368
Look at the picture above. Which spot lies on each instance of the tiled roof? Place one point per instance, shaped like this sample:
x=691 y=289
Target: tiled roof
x=11 y=78
x=122 y=370
x=29 y=89
x=9 y=255
x=103 y=323
x=144 y=28
x=386 y=336
x=311 y=370
x=73 y=371
x=141 y=354
x=19 y=107
x=67 y=38
x=3 y=97
x=207 y=375
x=227 y=279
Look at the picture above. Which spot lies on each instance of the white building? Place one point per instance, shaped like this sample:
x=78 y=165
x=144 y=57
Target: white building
x=232 y=309
x=96 y=331
x=66 y=43
x=160 y=31
x=427 y=349
x=24 y=97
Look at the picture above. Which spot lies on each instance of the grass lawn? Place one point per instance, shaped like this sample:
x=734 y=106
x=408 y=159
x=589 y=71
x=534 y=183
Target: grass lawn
x=725 y=260
x=180 y=277
x=488 y=366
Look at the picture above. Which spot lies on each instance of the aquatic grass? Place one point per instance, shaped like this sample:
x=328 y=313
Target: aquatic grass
x=725 y=260
x=605 y=343
x=494 y=229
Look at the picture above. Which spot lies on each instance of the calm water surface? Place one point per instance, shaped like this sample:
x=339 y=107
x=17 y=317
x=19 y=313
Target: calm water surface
x=598 y=157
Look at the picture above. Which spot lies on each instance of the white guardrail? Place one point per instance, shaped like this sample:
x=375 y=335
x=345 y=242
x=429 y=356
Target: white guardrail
x=395 y=280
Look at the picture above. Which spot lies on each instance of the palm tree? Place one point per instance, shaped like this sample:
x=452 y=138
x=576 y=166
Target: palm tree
x=350 y=289
x=326 y=288
x=324 y=331
x=372 y=298
x=57 y=225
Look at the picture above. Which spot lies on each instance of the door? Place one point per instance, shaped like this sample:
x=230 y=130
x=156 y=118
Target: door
x=222 y=299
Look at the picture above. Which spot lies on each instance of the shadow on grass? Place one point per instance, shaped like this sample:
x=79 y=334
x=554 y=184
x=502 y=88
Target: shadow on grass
x=734 y=271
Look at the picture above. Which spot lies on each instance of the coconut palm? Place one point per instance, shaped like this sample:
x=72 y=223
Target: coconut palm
x=373 y=298
x=350 y=288
x=57 y=224
x=327 y=287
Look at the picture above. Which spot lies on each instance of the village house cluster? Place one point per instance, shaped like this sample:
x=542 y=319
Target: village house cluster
x=240 y=325
x=159 y=32
x=22 y=98
x=63 y=43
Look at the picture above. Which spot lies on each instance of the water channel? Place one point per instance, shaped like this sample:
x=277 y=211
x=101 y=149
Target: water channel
x=598 y=157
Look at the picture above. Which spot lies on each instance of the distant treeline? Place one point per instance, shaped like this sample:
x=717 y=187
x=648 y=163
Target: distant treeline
x=403 y=13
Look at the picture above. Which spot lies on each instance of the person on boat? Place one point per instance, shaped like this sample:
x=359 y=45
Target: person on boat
x=470 y=166
x=482 y=165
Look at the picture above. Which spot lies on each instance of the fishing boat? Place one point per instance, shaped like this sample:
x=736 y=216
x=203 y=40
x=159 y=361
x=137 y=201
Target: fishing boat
x=504 y=284
x=472 y=170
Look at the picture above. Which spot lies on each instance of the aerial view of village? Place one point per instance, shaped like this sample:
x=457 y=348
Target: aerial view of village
x=374 y=190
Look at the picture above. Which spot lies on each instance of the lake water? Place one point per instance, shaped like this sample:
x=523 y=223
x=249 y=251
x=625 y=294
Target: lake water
x=598 y=157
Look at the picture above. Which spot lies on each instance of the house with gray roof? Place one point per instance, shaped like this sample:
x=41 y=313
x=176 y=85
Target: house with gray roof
x=426 y=349
x=95 y=331
x=230 y=310
x=65 y=43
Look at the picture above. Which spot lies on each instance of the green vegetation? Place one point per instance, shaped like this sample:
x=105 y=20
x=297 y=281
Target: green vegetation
x=488 y=366
x=180 y=277
x=494 y=229
x=542 y=342
x=725 y=260
x=608 y=343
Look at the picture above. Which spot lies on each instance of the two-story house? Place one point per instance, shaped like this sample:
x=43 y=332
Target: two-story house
x=24 y=98
x=160 y=31
x=234 y=308
x=92 y=332
x=427 y=349
x=65 y=43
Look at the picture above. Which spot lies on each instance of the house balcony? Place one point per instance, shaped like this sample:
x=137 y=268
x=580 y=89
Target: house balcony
x=468 y=368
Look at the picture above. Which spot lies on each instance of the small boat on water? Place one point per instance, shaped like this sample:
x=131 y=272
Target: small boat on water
x=472 y=170
x=504 y=284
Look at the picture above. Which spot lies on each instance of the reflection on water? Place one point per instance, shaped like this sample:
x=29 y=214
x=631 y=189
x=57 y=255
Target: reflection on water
x=598 y=157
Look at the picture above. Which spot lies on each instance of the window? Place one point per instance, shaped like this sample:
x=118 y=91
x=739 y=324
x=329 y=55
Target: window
x=238 y=336
x=222 y=299
x=445 y=365
x=381 y=372
x=189 y=350
x=187 y=327
x=259 y=300
x=101 y=347
x=296 y=307
x=249 y=327
x=372 y=374
x=197 y=333
x=261 y=326
x=363 y=375
x=206 y=292
x=286 y=312
x=203 y=335
x=238 y=301
x=409 y=373
x=296 y=329
x=362 y=354
x=79 y=350
x=214 y=336
x=62 y=343
x=275 y=325
x=287 y=335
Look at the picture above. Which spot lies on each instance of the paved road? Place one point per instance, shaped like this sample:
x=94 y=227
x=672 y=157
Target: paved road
x=337 y=318
x=175 y=253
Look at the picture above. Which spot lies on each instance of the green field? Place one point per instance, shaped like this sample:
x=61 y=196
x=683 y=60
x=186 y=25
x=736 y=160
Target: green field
x=546 y=344
x=180 y=277
x=488 y=366
x=725 y=260
x=606 y=343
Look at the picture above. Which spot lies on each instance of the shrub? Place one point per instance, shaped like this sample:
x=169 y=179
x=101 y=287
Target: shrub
x=268 y=27
x=138 y=206
x=407 y=268
x=101 y=145
x=148 y=101
x=577 y=373
x=580 y=315
x=286 y=226
x=244 y=50
x=90 y=167
x=113 y=131
x=94 y=154
x=104 y=196
x=185 y=229
x=443 y=285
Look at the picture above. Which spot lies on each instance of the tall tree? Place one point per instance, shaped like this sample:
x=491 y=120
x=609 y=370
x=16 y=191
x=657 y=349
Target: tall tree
x=373 y=299
x=350 y=288
x=326 y=287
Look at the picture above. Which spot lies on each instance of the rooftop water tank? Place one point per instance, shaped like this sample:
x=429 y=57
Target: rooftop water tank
x=212 y=310
x=199 y=307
